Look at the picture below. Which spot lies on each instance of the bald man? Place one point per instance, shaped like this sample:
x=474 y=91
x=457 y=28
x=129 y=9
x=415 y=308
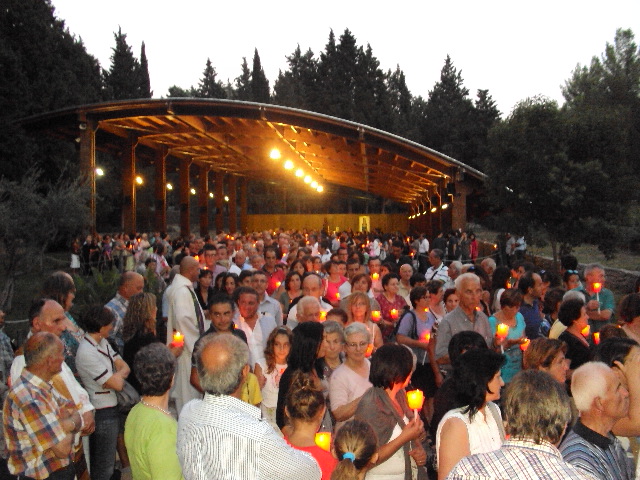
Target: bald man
x=130 y=284
x=185 y=316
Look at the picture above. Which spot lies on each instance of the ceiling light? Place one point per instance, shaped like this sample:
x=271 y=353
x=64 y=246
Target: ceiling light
x=299 y=173
x=320 y=189
x=139 y=180
x=314 y=184
x=99 y=172
x=274 y=154
x=307 y=179
x=193 y=191
x=210 y=194
x=169 y=186
x=288 y=165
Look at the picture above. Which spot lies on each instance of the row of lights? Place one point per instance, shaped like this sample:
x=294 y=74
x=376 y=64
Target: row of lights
x=299 y=172
x=140 y=181
x=433 y=209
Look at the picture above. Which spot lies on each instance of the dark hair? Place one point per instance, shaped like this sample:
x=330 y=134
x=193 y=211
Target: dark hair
x=96 y=317
x=205 y=272
x=289 y=277
x=154 y=367
x=417 y=278
x=629 y=307
x=471 y=376
x=433 y=286
x=219 y=298
x=526 y=282
x=541 y=352
x=511 y=297
x=304 y=398
x=244 y=291
x=390 y=364
x=57 y=286
x=388 y=277
x=360 y=276
x=307 y=338
x=269 y=354
x=244 y=274
x=570 y=310
x=416 y=294
x=552 y=278
x=551 y=300
x=339 y=312
x=447 y=293
x=568 y=273
x=614 y=349
x=438 y=253
x=463 y=341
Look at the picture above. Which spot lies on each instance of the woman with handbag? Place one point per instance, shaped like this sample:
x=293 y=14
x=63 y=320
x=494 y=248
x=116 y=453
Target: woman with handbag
x=103 y=373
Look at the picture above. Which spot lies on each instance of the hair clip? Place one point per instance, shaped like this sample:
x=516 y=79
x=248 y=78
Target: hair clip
x=572 y=271
x=350 y=456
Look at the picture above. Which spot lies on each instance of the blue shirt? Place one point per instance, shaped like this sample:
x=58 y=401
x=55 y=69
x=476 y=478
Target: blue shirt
x=532 y=318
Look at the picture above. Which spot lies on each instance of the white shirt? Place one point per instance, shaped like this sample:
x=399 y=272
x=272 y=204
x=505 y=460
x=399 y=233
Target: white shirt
x=222 y=437
x=441 y=273
x=423 y=249
x=344 y=289
x=257 y=338
x=95 y=367
x=271 y=306
x=293 y=311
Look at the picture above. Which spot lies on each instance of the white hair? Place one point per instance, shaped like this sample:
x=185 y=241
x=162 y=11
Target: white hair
x=589 y=382
x=304 y=302
x=472 y=277
x=357 y=327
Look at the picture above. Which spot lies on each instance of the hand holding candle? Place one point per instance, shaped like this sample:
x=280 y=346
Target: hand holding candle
x=375 y=315
x=323 y=440
x=597 y=287
x=393 y=314
x=596 y=338
x=585 y=331
x=502 y=330
x=178 y=339
x=415 y=399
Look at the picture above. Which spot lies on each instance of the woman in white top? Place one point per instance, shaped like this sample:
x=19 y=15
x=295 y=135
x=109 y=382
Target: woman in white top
x=351 y=379
x=103 y=372
x=477 y=426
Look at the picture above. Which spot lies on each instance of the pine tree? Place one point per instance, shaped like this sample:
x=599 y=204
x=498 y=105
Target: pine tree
x=259 y=83
x=243 y=83
x=209 y=87
x=122 y=80
x=145 y=81
x=297 y=87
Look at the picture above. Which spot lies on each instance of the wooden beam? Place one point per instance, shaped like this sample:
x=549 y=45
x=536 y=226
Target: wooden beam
x=203 y=199
x=161 y=189
x=185 y=198
x=233 y=217
x=88 y=164
x=129 y=186
x=219 y=198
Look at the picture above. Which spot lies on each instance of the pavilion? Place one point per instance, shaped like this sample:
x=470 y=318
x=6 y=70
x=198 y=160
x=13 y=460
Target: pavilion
x=235 y=141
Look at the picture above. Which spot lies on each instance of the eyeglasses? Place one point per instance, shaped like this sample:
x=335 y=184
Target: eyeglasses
x=358 y=345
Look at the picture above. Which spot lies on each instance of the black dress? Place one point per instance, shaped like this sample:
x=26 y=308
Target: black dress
x=577 y=351
x=133 y=346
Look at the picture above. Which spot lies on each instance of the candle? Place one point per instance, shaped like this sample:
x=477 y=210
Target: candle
x=375 y=315
x=502 y=330
x=525 y=344
x=596 y=338
x=375 y=276
x=585 y=331
x=369 y=350
x=323 y=316
x=197 y=258
x=415 y=399
x=508 y=284
x=337 y=295
x=426 y=337
x=323 y=440
x=278 y=284
x=178 y=339
x=393 y=313
x=597 y=287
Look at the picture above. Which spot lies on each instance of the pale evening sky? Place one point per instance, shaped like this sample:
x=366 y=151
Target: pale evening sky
x=514 y=49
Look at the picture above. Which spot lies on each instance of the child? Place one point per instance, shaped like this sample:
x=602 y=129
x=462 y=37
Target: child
x=270 y=370
x=356 y=448
x=305 y=408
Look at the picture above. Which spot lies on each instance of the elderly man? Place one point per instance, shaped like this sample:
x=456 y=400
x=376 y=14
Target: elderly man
x=600 y=304
x=438 y=270
x=311 y=287
x=308 y=310
x=455 y=270
x=465 y=317
x=602 y=400
x=223 y=437
x=39 y=423
x=185 y=316
x=489 y=266
x=267 y=304
x=237 y=265
x=536 y=409
x=130 y=284
x=406 y=271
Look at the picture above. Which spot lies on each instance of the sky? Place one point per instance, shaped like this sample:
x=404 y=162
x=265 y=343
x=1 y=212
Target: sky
x=514 y=49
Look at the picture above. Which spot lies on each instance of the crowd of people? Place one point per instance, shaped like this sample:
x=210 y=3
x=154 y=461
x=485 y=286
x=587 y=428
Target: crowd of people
x=296 y=355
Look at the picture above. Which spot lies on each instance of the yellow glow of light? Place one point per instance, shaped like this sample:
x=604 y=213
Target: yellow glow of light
x=320 y=189
x=299 y=173
x=210 y=194
x=445 y=206
x=307 y=179
x=434 y=209
x=169 y=186
x=193 y=191
x=139 y=180
x=99 y=172
x=288 y=165
x=314 y=184
x=274 y=154
x=226 y=199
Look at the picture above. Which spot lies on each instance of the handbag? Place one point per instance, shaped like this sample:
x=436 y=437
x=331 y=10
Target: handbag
x=127 y=397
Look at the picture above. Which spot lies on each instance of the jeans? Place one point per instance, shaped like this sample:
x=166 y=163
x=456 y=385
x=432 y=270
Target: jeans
x=102 y=443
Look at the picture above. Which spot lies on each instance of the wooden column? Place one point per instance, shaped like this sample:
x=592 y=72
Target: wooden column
x=88 y=164
x=219 y=196
x=203 y=199
x=233 y=221
x=185 y=197
x=129 y=186
x=243 y=204
x=161 y=189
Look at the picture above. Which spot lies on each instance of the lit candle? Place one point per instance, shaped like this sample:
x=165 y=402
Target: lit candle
x=525 y=344
x=323 y=316
x=323 y=440
x=393 y=313
x=508 y=284
x=369 y=350
x=596 y=338
x=337 y=295
x=197 y=258
x=375 y=276
x=278 y=284
x=502 y=330
x=415 y=399
x=585 y=331
x=597 y=287
x=375 y=315
x=426 y=337
x=178 y=339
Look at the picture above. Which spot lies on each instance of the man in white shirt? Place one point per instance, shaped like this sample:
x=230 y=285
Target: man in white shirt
x=423 y=253
x=255 y=325
x=438 y=270
x=311 y=286
x=223 y=437
x=353 y=269
x=267 y=304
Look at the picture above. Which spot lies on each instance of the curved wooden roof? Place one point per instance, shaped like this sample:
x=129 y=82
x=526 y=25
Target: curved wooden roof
x=237 y=138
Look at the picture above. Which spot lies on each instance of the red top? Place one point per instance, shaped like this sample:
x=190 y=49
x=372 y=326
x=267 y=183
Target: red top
x=325 y=460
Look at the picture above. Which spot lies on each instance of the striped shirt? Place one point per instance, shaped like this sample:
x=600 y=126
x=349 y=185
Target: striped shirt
x=517 y=460
x=602 y=457
x=32 y=427
x=223 y=437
